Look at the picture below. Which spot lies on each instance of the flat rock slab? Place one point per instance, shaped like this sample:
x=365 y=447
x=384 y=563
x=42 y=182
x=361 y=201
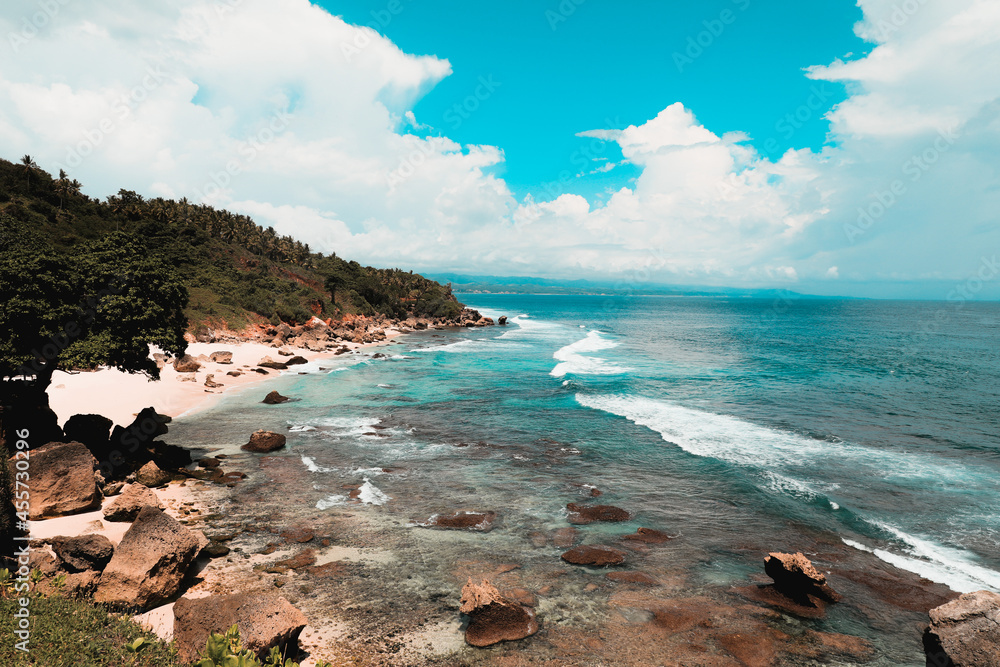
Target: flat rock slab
x=597 y=556
x=263 y=620
x=462 y=520
x=584 y=514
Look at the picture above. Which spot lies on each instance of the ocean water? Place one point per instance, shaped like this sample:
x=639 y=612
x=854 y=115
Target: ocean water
x=864 y=433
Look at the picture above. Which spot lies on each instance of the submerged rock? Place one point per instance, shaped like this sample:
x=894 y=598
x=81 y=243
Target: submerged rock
x=965 y=632
x=595 y=555
x=264 y=441
x=584 y=514
x=463 y=520
x=795 y=577
x=494 y=618
x=648 y=536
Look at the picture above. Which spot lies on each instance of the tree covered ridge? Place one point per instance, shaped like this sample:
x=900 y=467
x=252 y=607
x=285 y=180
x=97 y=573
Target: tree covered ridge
x=236 y=272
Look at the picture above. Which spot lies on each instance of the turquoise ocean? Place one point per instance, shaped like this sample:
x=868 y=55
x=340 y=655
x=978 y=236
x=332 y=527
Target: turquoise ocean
x=865 y=433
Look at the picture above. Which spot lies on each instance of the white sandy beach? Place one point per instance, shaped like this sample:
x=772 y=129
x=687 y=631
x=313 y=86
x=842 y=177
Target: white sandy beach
x=120 y=396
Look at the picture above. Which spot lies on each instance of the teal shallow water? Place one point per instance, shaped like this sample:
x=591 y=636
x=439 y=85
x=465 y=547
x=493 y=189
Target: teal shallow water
x=869 y=429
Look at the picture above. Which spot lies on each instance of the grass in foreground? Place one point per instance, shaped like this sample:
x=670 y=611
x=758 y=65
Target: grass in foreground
x=69 y=632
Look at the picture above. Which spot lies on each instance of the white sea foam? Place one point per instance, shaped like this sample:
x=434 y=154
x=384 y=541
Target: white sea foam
x=310 y=464
x=371 y=494
x=331 y=501
x=946 y=565
x=572 y=357
x=730 y=439
x=301 y=428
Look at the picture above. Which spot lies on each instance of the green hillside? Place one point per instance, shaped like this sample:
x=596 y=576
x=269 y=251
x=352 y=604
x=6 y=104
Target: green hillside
x=236 y=271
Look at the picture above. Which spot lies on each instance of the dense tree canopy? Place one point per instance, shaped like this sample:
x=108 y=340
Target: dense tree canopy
x=101 y=303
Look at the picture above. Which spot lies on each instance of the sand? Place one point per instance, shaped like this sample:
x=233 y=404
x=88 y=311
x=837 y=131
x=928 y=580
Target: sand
x=120 y=396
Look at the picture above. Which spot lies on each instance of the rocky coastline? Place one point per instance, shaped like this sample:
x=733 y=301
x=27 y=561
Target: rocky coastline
x=188 y=544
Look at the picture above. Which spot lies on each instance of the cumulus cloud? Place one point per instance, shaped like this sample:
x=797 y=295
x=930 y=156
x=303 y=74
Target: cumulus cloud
x=280 y=110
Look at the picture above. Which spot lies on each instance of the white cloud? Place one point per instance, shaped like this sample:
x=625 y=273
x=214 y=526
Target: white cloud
x=280 y=110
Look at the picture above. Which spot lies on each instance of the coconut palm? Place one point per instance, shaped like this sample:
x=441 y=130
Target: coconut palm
x=29 y=165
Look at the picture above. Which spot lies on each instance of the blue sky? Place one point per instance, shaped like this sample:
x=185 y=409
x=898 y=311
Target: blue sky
x=587 y=148
x=564 y=68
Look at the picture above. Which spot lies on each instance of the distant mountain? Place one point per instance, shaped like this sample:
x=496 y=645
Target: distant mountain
x=236 y=271
x=528 y=285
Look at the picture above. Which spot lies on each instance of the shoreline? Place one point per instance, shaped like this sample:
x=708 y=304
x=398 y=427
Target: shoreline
x=119 y=396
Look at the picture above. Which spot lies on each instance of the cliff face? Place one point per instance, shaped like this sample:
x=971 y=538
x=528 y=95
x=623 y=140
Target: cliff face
x=240 y=276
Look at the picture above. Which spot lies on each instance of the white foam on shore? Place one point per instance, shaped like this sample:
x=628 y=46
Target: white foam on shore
x=572 y=357
x=310 y=464
x=944 y=565
x=371 y=494
x=331 y=501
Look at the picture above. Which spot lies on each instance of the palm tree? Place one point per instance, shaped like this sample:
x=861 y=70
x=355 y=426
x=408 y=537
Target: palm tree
x=30 y=166
x=63 y=187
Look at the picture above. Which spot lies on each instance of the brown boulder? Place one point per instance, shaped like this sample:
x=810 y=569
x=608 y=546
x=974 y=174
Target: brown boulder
x=62 y=480
x=263 y=620
x=795 y=577
x=221 y=357
x=274 y=398
x=86 y=552
x=268 y=362
x=151 y=476
x=596 y=555
x=93 y=431
x=264 y=441
x=584 y=514
x=132 y=499
x=463 y=520
x=492 y=617
x=296 y=361
x=965 y=632
x=149 y=563
x=186 y=364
